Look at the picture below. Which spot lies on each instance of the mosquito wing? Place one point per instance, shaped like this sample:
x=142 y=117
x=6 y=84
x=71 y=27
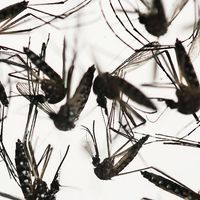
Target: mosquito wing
x=37 y=99
x=140 y=56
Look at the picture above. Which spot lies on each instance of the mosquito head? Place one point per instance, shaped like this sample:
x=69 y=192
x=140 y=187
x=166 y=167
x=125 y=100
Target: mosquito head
x=151 y=24
x=95 y=160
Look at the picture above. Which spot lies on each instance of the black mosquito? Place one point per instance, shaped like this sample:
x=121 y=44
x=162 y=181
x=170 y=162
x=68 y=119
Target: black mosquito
x=155 y=20
x=112 y=86
x=9 y=14
x=188 y=92
x=146 y=52
x=170 y=184
x=55 y=90
x=70 y=111
x=107 y=169
x=32 y=185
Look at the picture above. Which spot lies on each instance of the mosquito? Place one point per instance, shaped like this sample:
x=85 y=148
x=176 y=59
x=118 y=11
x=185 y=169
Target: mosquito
x=146 y=52
x=8 y=15
x=188 y=93
x=170 y=184
x=155 y=20
x=107 y=85
x=107 y=169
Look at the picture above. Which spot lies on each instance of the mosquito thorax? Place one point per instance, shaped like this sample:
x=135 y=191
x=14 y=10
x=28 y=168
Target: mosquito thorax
x=106 y=85
x=188 y=100
x=100 y=84
x=54 y=92
x=104 y=170
x=150 y=23
x=64 y=119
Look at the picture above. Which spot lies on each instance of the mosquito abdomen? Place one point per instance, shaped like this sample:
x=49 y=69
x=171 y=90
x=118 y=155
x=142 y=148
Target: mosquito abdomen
x=134 y=94
x=155 y=22
x=170 y=186
x=129 y=155
x=185 y=65
x=41 y=191
x=12 y=10
x=23 y=170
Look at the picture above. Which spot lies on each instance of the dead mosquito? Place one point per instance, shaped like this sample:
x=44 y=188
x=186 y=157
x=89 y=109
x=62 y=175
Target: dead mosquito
x=188 y=92
x=107 y=169
x=112 y=86
x=155 y=20
x=148 y=50
x=55 y=90
x=30 y=180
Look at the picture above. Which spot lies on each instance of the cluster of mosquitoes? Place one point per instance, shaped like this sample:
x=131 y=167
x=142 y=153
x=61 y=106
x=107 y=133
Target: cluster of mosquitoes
x=42 y=86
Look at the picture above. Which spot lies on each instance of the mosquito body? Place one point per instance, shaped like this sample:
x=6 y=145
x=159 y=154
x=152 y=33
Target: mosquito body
x=171 y=186
x=30 y=180
x=155 y=21
x=55 y=90
x=24 y=171
x=33 y=187
x=107 y=169
x=111 y=87
x=106 y=85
